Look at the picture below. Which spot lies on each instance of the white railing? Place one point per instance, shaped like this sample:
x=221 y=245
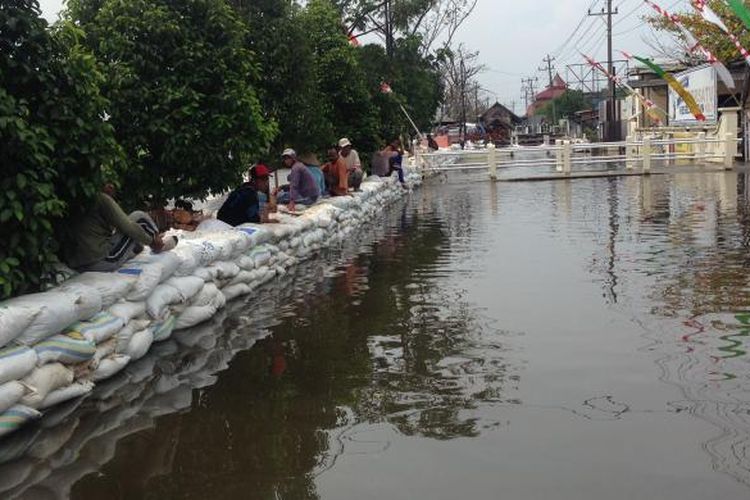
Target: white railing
x=564 y=155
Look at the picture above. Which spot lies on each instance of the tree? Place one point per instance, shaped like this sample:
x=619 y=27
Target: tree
x=54 y=139
x=288 y=92
x=182 y=86
x=708 y=34
x=565 y=106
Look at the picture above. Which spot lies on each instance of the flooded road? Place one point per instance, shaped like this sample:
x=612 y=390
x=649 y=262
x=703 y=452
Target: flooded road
x=567 y=340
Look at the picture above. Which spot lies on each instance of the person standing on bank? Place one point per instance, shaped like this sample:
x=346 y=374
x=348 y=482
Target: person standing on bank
x=353 y=163
x=105 y=237
x=303 y=187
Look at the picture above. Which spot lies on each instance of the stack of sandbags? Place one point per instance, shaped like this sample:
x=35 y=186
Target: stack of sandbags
x=55 y=345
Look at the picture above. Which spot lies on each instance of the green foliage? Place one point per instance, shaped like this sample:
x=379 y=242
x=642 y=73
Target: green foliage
x=54 y=139
x=565 y=106
x=182 y=86
x=710 y=35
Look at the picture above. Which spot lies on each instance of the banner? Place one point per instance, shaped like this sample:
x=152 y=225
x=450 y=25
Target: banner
x=701 y=83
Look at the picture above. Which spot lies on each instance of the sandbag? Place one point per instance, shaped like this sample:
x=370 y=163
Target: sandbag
x=139 y=344
x=102 y=351
x=44 y=380
x=261 y=255
x=14 y=319
x=16 y=363
x=189 y=254
x=149 y=271
x=123 y=336
x=206 y=296
x=246 y=262
x=110 y=286
x=67 y=349
x=99 y=328
x=16 y=417
x=225 y=270
x=66 y=393
x=128 y=310
x=163 y=329
x=213 y=226
x=188 y=286
x=233 y=291
x=109 y=366
x=10 y=394
x=195 y=315
x=161 y=298
x=57 y=311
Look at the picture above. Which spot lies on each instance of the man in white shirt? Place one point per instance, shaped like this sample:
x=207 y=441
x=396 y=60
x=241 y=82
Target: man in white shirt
x=353 y=164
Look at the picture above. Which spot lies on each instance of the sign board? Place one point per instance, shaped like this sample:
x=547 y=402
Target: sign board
x=701 y=83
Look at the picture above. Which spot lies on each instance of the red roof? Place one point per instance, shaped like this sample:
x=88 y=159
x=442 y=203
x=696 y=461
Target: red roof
x=557 y=89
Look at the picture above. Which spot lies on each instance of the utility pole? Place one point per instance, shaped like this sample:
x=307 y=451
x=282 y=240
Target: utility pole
x=548 y=67
x=463 y=103
x=528 y=88
x=612 y=130
x=388 y=25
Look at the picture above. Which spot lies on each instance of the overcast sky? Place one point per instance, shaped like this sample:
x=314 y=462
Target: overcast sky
x=513 y=36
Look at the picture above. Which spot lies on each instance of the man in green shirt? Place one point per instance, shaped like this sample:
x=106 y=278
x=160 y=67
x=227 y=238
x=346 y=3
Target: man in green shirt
x=105 y=237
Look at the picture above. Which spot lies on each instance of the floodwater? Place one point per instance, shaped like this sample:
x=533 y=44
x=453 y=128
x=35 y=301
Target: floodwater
x=578 y=340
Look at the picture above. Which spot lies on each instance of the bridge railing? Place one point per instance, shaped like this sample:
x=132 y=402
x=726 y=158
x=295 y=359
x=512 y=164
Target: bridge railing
x=565 y=156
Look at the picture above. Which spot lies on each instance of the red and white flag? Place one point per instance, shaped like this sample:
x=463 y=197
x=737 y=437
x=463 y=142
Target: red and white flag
x=385 y=88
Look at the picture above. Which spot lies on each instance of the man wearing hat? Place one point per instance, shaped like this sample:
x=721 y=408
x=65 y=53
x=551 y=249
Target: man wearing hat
x=353 y=165
x=243 y=205
x=303 y=187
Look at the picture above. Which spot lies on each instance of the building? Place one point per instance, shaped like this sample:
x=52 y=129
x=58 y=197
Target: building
x=558 y=88
x=498 y=123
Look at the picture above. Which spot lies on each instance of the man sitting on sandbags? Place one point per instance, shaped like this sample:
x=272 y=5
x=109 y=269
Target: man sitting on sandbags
x=247 y=203
x=303 y=188
x=104 y=237
x=336 y=174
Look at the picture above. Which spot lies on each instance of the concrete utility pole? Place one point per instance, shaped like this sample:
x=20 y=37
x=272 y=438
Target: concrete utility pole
x=528 y=85
x=612 y=130
x=548 y=62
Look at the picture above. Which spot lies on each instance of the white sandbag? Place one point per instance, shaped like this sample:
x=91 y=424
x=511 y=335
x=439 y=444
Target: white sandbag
x=261 y=255
x=163 y=296
x=149 y=271
x=258 y=234
x=189 y=254
x=44 y=380
x=16 y=363
x=206 y=296
x=207 y=274
x=16 y=417
x=246 y=262
x=245 y=277
x=188 y=286
x=111 y=286
x=66 y=394
x=237 y=290
x=14 y=319
x=123 y=336
x=67 y=349
x=163 y=329
x=110 y=366
x=139 y=344
x=102 y=351
x=128 y=310
x=10 y=394
x=57 y=311
x=99 y=328
x=195 y=315
x=213 y=226
x=226 y=270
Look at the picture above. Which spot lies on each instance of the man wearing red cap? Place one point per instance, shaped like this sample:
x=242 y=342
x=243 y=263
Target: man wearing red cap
x=243 y=205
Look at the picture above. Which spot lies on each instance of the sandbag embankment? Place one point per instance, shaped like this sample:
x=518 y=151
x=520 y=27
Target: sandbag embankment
x=56 y=345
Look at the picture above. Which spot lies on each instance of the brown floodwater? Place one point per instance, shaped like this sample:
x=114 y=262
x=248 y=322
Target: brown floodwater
x=570 y=340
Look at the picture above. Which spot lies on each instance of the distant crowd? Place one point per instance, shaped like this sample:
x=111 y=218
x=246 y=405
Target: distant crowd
x=105 y=237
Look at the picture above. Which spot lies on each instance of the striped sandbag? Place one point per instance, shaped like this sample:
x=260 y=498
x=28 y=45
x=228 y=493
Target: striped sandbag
x=163 y=330
x=99 y=328
x=67 y=349
x=16 y=417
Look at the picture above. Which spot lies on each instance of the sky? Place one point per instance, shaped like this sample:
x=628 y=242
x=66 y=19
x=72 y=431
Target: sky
x=514 y=36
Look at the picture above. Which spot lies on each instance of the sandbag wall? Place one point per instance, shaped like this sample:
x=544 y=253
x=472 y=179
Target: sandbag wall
x=56 y=345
